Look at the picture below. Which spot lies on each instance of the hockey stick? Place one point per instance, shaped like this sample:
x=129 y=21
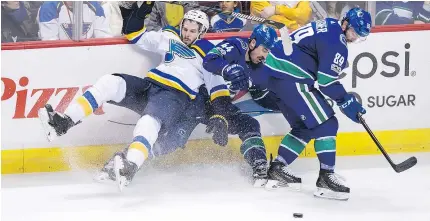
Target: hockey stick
x=283 y=30
x=407 y=164
x=246 y=112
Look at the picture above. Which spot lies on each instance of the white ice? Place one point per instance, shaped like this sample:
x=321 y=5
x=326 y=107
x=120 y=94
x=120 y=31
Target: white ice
x=221 y=192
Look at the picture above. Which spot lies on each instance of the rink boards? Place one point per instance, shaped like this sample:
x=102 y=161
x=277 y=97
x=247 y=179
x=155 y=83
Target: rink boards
x=389 y=73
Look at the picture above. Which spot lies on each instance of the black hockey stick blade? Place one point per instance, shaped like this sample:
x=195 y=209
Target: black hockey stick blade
x=407 y=164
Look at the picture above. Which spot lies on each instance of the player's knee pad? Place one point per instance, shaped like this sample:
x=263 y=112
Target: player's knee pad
x=326 y=129
x=108 y=87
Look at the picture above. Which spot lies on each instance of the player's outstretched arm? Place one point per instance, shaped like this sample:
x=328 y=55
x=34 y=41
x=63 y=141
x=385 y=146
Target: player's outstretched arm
x=331 y=63
x=136 y=32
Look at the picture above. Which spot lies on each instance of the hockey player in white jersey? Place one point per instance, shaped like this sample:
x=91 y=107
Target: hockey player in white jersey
x=169 y=88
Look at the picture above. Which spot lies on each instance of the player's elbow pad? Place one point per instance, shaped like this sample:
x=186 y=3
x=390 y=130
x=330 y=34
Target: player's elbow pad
x=212 y=63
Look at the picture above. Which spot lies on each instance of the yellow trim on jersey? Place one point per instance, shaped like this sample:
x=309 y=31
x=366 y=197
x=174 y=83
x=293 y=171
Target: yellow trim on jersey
x=169 y=83
x=136 y=34
x=201 y=52
x=141 y=147
x=85 y=104
x=220 y=93
x=172 y=31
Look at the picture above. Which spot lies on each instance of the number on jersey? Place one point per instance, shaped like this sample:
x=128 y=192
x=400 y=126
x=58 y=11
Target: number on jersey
x=301 y=33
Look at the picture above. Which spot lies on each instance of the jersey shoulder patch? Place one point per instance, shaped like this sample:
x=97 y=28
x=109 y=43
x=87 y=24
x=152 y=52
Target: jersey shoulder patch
x=171 y=29
x=202 y=46
x=239 y=42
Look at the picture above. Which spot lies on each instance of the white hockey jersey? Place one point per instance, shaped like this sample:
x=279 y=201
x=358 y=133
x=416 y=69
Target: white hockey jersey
x=181 y=67
x=56 y=21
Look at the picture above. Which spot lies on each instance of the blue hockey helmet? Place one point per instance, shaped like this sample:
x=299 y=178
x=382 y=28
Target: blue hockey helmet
x=264 y=35
x=360 y=20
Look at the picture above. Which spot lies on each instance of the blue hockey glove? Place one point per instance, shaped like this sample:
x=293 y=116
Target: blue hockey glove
x=351 y=107
x=236 y=74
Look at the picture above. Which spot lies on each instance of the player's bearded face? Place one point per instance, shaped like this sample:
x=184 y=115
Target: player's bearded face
x=189 y=32
x=259 y=54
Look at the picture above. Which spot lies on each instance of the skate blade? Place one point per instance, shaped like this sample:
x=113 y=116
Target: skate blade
x=50 y=133
x=120 y=180
x=102 y=177
x=258 y=183
x=329 y=194
x=275 y=184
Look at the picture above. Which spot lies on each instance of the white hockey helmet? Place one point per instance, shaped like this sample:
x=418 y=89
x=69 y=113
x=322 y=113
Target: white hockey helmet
x=199 y=17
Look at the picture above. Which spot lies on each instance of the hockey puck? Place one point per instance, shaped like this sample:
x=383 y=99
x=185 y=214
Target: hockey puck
x=298 y=215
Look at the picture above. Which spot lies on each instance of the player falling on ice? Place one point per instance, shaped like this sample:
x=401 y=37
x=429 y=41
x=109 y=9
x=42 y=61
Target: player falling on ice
x=169 y=88
x=319 y=55
x=221 y=116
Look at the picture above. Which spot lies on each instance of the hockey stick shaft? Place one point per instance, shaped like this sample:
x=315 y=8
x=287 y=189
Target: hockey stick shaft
x=410 y=162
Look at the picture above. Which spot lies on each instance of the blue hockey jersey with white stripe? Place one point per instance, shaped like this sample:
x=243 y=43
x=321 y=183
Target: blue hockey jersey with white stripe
x=319 y=55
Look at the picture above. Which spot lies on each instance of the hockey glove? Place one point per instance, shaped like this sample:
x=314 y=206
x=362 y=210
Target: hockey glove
x=351 y=107
x=219 y=126
x=236 y=74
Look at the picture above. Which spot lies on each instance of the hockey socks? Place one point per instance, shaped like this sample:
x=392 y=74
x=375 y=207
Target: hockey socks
x=290 y=148
x=325 y=148
x=145 y=134
x=108 y=87
x=253 y=150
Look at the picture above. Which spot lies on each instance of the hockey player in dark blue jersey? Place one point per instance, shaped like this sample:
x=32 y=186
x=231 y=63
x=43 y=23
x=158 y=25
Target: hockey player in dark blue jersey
x=319 y=54
x=234 y=58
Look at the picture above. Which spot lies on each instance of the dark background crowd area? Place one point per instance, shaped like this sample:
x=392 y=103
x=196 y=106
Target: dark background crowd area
x=23 y=21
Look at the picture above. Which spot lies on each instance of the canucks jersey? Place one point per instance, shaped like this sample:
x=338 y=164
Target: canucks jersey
x=181 y=68
x=231 y=51
x=319 y=55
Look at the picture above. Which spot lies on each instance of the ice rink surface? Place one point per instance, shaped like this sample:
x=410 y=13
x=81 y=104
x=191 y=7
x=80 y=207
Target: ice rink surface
x=221 y=192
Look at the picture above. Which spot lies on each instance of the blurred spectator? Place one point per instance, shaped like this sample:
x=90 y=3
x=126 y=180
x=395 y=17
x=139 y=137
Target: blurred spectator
x=225 y=22
x=333 y=9
x=113 y=14
x=16 y=22
x=293 y=14
x=56 y=21
x=401 y=12
x=126 y=9
x=319 y=10
x=164 y=14
x=423 y=15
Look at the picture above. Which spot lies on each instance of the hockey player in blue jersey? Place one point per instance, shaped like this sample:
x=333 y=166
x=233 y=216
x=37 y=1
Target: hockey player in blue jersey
x=234 y=58
x=319 y=54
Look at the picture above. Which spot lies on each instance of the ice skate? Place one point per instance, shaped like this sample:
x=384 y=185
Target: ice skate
x=281 y=176
x=332 y=186
x=55 y=124
x=259 y=174
x=107 y=173
x=124 y=170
